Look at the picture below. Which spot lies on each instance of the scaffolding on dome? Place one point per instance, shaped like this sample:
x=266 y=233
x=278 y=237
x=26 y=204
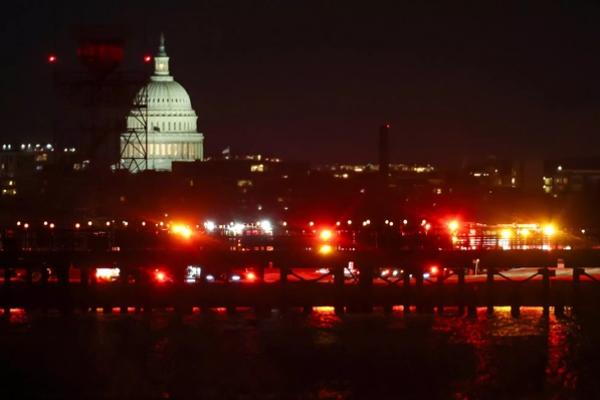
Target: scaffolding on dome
x=134 y=143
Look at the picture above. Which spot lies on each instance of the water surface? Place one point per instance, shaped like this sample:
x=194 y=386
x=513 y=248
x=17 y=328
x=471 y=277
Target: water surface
x=320 y=356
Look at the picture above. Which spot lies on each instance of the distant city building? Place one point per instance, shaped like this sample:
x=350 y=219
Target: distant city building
x=171 y=121
x=21 y=163
x=345 y=171
x=572 y=176
x=494 y=173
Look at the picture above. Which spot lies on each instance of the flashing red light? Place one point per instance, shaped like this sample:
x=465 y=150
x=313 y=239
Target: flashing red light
x=434 y=270
x=160 y=276
x=326 y=235
x=147 y=58
x=453 y=225
x=251 y=276
x=325 y=249
x=52 y=58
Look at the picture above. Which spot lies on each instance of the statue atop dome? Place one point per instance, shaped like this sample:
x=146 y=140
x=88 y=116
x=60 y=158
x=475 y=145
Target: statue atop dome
x=161 y=59
x=161 y=47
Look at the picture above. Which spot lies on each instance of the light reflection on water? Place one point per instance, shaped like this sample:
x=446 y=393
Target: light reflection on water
x=321 y=355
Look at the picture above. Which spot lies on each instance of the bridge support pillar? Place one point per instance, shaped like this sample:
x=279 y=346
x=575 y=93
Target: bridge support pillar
x=559 y=311
x=7 y=299
x=460 y=273
x=419 y=290
x=515 y=311
x=365 y=282
x=30 y=288
x=100 y=299
x=424 y=302
x=84 y=283
x=545 y=272
x=62 y=271
x=472 y=311
x=440 y=292
x=262 y=309
x=229 y=302
x=406 y=291
x=515 y=307
x=123 y=289
x=182 y=302
x=577 y=272
x=338 y=281
x=44 y=287
x=283 y=280
x=490 y=290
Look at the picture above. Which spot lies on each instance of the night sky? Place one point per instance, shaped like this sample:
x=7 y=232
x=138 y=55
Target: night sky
x=313 y=80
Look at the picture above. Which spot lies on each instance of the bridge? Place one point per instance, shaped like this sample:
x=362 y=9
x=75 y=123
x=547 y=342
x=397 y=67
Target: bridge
x=66 y=280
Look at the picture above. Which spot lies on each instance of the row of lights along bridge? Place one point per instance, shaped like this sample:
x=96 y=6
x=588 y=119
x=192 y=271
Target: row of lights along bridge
x=460 y=235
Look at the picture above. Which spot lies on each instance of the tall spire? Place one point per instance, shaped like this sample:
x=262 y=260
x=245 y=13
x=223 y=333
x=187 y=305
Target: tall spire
x=161 y=62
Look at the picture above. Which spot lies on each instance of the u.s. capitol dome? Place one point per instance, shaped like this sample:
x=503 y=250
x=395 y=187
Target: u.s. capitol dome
x=163 y=108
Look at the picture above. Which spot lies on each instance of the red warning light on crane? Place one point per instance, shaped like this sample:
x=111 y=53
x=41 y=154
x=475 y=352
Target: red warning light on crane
x=52 y=59
x=147 y=58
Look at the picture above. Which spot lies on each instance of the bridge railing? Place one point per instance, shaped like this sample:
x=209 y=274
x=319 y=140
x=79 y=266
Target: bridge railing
x=46 y=280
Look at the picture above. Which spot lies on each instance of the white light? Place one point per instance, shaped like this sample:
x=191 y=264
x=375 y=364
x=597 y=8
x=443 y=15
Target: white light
x=193 y=272
x=210 y=278
x=107 y=274
x=210 y=226
x=266 y=226
x=236 y=278
x=237 y=228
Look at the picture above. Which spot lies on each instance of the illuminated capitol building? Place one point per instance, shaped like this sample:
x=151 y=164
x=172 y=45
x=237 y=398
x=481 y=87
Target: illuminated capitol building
x=169 y=118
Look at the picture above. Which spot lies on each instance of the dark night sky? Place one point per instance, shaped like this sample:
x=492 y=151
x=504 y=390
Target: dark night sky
x=313 y=80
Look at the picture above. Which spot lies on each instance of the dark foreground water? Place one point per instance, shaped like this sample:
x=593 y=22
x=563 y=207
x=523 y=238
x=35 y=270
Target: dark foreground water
x=321 y=356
